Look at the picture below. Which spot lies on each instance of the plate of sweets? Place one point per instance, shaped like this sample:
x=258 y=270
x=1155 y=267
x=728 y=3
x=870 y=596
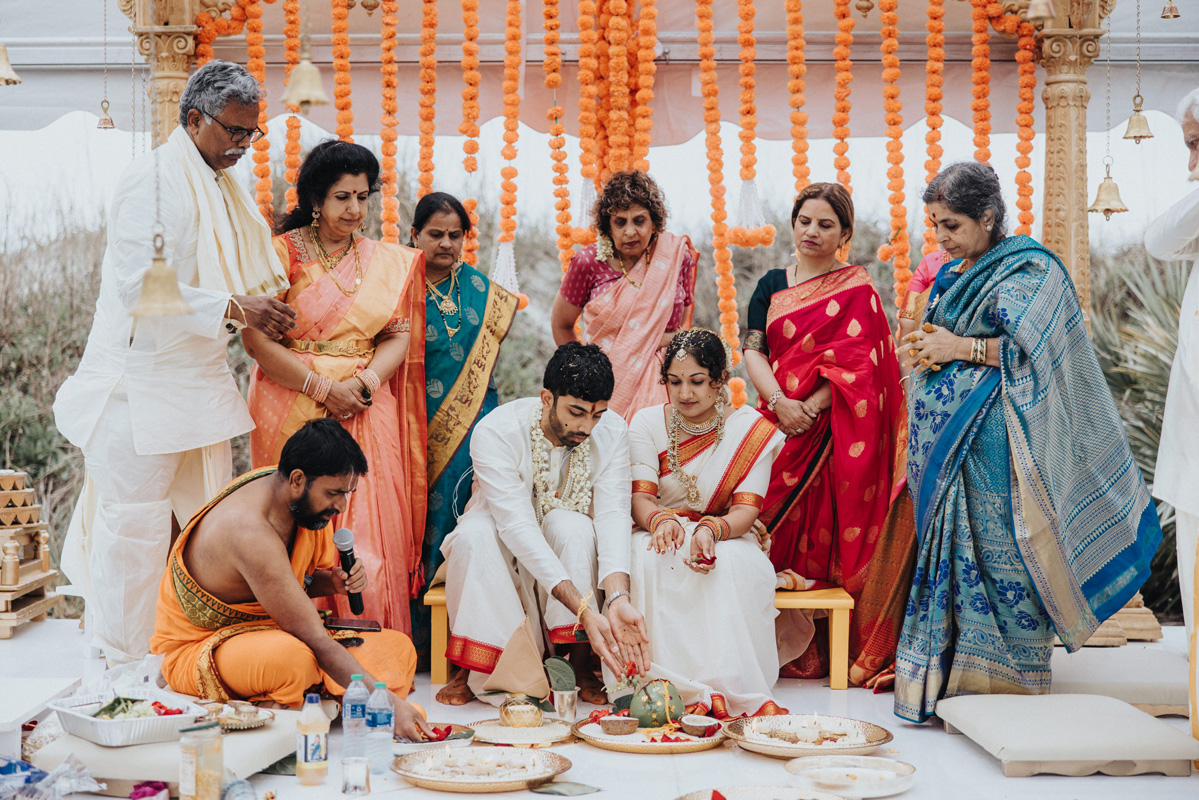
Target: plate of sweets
x=444 y=737
x=798 y=735
x=759 y=793
x=480 y=769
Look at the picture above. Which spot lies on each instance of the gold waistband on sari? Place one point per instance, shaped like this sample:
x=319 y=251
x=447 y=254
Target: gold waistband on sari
x=346 y=347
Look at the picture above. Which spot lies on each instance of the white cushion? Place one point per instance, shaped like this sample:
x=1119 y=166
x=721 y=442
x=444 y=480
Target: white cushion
x=1069 y=734
x=1153 y=679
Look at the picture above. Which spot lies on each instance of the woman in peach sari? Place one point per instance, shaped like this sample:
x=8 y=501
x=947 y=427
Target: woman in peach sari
x=352 y=359
x=634 y=289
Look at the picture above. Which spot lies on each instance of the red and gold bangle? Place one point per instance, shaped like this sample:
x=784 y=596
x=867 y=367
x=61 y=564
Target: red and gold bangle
x=658 y=518
x=719 y=526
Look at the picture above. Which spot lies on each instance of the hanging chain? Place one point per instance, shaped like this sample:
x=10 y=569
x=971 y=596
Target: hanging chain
x=105 y=49
x=1107 y=158
x=143 y=101
x=133 y=97
x=1138 y=45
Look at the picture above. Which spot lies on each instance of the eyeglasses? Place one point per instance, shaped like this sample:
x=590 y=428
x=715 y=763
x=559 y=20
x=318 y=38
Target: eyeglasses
x=238 y=135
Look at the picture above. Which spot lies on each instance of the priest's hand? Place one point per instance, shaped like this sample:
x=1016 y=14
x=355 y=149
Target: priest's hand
x=354 y=581
x=409 y=723
x=628 y=626
x=603 y=642
x=268 y=316
x=669 y=536
x=344 y=400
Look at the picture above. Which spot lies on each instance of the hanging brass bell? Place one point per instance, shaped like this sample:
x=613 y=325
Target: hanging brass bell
x=1170 y=11
x=105 y=123
x=864 y=6
x=160 y=295
x=8 y=75
x=1138 y=124
x=304 y=87
x=1107 y=199
x=370 y=6
x=1040 y=12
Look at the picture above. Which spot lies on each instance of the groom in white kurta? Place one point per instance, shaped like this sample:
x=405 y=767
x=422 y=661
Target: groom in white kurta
x=1175 y=235
x=153 y=403
x=542 y=533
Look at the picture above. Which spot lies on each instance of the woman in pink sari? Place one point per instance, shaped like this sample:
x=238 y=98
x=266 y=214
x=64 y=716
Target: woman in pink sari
x=352 y=358
x=634 y=289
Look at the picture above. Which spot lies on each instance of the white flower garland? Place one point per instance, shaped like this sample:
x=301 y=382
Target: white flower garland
x=576 y=492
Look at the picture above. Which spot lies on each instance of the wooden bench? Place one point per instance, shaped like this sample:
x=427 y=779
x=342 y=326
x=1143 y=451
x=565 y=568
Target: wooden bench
x=836 y=601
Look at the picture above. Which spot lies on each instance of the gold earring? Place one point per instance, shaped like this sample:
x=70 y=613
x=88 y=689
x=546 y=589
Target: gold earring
x=316 y=218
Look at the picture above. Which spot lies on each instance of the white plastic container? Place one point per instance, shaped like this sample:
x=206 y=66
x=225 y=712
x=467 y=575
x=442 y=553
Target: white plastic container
x=75 y=714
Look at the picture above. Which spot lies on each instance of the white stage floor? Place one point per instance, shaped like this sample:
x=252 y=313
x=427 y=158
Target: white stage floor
x=946 y=766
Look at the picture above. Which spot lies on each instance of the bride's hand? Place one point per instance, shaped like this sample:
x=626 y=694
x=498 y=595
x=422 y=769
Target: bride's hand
x=703 y=544
x=669 y=536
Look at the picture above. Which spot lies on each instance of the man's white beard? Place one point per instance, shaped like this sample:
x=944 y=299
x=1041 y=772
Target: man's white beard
x=236 y=151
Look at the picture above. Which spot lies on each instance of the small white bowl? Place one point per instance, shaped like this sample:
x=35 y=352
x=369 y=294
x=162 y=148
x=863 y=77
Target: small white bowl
x=696 y=725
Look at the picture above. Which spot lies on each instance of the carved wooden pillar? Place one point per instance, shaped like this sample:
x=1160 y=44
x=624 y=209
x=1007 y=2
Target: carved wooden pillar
x=1069 y=44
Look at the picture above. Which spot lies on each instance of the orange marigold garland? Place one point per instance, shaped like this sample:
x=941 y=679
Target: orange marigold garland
x=1025 y=105
x=212 y=27
x=617 y=36
x=291 y=57
x=341 y=70
x=843 y=40
x=898 y=247
x=504 y=272
x=643 y=113
x=428 y=95
x=753 y=230
x=981 y=78
x=588 y=121
x=726 y=288
x=552 y=66
x=390 y=215
x=603 y=105
x=256 y=66
x=797 y=68
x=934 y=82
x=469 y=126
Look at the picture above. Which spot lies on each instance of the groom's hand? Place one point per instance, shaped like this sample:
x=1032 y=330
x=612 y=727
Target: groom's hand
x=628 y=627
x=599 y=632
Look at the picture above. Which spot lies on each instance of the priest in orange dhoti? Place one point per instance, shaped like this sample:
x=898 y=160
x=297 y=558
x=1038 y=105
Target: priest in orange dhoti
x=234 y=616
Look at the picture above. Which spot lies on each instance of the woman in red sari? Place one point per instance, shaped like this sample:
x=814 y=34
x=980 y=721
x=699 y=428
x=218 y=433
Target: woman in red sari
x=820 y=353
x=354 y=358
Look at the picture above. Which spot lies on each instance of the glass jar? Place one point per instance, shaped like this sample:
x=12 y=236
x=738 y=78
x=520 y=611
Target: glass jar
x=201 y=762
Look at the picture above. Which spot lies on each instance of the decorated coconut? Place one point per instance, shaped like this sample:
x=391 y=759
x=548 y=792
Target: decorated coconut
x=656 y=703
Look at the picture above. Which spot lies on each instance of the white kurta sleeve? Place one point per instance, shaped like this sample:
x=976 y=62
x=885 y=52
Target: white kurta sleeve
x=1175 y=234
x=132 y=249
x=643 y=453
x=612 y=499
x=506 y=498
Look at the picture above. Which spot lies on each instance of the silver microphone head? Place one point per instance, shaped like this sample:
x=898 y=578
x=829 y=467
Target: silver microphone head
x=343 y=539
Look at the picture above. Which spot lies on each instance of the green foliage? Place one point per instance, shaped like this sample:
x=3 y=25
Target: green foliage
x=561 y=674
x=1135 y=329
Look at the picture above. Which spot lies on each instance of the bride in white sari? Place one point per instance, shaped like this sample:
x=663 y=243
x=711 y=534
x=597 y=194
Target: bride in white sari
x=699 y=574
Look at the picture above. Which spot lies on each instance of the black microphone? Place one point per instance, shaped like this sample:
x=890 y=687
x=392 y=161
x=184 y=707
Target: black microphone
x=343 y=540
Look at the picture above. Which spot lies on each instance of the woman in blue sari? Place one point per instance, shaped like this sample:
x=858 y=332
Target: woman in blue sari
x=467 y=317
x=1032 y=516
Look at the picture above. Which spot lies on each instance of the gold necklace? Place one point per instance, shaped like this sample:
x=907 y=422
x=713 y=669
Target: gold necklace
x=330 y=262
x=676 y=468
x=625 y=272
x=446 y=307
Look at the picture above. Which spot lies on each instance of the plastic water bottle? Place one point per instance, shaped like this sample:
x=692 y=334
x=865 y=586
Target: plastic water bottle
x=312 y=742
x=353 y=718
x=380 y=713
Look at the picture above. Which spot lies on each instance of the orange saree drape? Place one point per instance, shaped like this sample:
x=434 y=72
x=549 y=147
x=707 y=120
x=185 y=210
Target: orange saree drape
x=831 y=486
x=387 y=512
x=628 y=322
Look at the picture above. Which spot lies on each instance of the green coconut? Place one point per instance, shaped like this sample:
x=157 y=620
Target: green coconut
x=656 y=703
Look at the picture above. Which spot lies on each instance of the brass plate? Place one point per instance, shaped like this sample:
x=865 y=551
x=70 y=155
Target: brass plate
x=876 y=736
x=635 y=742
x=549 y=764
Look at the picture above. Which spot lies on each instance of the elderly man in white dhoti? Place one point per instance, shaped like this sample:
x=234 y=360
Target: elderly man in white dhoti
x=1175 y=235
x=153 y=403
x=547 y=525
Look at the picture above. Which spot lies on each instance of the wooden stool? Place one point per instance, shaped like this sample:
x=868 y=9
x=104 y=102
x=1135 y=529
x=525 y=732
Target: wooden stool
x=836 y=601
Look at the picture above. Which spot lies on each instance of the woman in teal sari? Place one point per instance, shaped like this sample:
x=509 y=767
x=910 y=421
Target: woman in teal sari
x=467 y=318
x=1032 y=516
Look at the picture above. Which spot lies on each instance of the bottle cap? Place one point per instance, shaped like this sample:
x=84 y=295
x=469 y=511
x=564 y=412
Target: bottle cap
x=357 y=676
x=312 y=697
x=380 y=685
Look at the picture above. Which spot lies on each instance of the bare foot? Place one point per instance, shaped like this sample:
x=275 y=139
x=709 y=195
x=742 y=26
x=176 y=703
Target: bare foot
x=591 y=690
x=456 y=692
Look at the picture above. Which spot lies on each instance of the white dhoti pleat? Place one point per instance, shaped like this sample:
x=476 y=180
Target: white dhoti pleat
x=1186 y=541
x=120 y=532
x=710 y=634
x=488 y=596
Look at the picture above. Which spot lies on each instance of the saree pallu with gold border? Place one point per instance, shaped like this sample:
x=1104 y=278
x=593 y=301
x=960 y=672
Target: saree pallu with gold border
x=387 y=511
x=458 y=393
x=1031 y=513
x=831 y=486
